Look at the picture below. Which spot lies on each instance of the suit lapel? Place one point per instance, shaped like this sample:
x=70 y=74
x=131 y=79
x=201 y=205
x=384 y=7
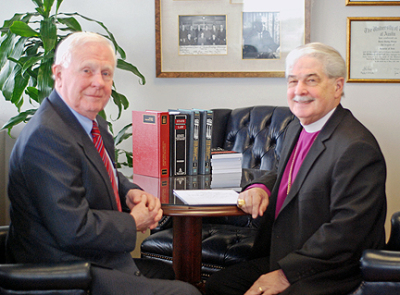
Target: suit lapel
x=84 y=141
x=314 y=153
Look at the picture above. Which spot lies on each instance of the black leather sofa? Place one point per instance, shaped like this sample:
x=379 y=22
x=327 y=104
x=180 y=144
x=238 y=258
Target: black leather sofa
x=258 y=132
x=53 y=279
x=381 y=268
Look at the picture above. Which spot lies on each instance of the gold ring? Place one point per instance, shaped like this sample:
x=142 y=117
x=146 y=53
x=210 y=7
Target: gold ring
x=260 y=289
x=240 y=203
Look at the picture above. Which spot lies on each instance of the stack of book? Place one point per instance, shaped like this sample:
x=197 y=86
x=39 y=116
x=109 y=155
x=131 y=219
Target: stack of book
x=173 y=143
x=226 y=168
x=226 y=180
x=223 y=161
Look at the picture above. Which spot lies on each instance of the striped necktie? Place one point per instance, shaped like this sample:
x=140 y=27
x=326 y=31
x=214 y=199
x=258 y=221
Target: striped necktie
x=98 y=143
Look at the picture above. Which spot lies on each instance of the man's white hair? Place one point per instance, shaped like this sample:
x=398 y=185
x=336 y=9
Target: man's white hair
x=67 y=46
x=333 y=62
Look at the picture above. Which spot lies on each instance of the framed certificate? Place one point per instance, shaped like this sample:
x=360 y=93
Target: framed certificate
x=372 y=2
x=230 y=38
x=373 y=49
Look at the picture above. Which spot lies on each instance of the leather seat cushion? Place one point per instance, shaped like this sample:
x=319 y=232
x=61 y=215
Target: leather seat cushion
x=222 y=245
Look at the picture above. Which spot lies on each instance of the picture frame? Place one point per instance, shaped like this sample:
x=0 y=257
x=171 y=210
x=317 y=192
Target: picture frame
x=372 y=2
x=178 y=56
x=373 y=49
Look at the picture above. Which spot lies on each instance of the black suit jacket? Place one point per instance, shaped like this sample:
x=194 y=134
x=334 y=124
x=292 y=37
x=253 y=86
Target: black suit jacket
x=62 y=204
x=336 y=208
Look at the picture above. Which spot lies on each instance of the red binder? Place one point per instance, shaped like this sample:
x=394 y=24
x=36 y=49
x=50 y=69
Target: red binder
x=150 y=139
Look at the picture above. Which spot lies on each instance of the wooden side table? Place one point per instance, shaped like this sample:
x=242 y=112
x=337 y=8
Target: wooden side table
x=187 y=230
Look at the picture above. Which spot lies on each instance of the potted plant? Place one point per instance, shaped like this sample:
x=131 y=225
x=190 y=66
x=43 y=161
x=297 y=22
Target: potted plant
x=27 y=46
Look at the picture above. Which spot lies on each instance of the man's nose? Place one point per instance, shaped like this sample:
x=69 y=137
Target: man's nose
x=301 y=88
x=98 y=80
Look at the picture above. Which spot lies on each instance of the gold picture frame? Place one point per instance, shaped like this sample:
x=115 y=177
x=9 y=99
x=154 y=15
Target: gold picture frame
x=374 y=2
x=373 y=49
x=175 y=59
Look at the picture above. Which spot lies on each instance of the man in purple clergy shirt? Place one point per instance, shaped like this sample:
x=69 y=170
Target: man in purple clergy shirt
x=325 y=204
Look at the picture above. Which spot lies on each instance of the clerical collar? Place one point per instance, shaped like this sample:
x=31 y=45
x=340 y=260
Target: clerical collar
x=317 y=126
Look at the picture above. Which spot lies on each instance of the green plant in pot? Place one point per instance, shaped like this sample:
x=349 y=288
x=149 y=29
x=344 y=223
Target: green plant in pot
x=27 y=45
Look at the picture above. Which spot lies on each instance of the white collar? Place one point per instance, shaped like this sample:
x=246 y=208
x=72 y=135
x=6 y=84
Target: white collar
x=317 y=126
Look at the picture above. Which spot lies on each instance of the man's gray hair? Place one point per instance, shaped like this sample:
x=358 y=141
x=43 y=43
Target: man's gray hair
x=69 y=44
x=333 y=62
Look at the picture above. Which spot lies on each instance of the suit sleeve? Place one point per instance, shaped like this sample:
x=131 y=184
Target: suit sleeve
x=268 y=179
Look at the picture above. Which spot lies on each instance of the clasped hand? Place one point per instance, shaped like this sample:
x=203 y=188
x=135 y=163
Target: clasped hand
x=256 y=201
x=145 y=209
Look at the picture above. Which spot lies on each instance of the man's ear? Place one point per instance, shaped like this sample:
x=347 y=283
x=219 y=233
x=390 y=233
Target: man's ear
x=339 y=84
x=56 y=69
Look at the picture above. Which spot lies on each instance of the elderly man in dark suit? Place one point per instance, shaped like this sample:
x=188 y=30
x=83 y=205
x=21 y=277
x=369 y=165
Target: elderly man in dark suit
x=68 y=202
x=327 y=201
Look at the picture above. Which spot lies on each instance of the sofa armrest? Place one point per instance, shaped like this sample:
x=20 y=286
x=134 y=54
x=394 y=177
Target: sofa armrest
x=61 y=276
x=394 y=239
x=3 y=237
x=380 y=266
x=164 y=223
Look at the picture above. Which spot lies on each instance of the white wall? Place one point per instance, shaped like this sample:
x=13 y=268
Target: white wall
x=132 y=22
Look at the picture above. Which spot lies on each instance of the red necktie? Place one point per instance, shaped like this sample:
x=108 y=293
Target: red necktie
x=98 y=143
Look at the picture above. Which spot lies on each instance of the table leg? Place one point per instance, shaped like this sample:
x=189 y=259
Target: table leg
x=186 y=255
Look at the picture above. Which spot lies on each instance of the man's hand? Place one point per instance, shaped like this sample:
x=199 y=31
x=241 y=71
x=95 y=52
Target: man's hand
x=269 y=284
x=145 y=209
x=256 y=201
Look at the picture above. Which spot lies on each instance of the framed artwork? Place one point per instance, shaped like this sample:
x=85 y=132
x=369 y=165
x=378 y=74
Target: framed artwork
x=372 y=2
x=373 y=49
x=228 y=38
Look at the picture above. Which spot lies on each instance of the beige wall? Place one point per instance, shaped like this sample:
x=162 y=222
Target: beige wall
x=132 y=22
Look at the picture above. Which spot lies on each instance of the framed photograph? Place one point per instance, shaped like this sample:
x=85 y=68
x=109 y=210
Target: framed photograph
x=228 y=38
x=373 y=49
x=372 y=2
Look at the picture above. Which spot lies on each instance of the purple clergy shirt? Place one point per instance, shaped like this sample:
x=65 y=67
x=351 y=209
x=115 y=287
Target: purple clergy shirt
x=297 y=157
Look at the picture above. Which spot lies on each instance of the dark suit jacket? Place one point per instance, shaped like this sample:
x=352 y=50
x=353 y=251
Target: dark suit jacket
x=62 y=204
x=336 y=208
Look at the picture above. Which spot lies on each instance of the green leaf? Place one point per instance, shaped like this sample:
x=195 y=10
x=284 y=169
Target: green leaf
x=47 y=5
x=21 y=117
x=48 y=31
x=6 y=48
x=18 y=48
x=8 y=86
x=71 y=23
x=4 y=74
x=30 y=62
x=122 y=134
x=129 y=158
x=41 y=11
x=22 y=29
x=33 y=93
x=39 y=3
x=58 y=5
x=21 y=82
x=102 y=114
x=120 y=101
x=27 y=17
x=123 y=65
x=9 y=22
x=45 y=80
